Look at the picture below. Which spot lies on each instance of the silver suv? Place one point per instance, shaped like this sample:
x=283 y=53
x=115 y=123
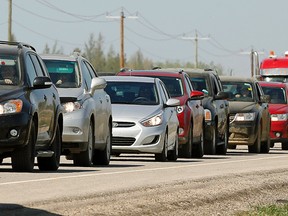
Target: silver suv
x=87 y=129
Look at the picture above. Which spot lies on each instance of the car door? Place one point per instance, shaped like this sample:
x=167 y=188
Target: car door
x=265 y=112
x=100 y=103
x=198 y=110
x=42 y=99
x=220 y=104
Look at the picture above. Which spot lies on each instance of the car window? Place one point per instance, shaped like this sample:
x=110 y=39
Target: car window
x=166 y=95
x=9 y=70
x=200 y=84
x=132 y=93
x=277 y=95
x=38 y=67
x=188 y=84
x=30 y=70
x=87 y=77
x=64 y=74
x=239 y=91
x=173 y=85
x=91 y=70
x=215 y=84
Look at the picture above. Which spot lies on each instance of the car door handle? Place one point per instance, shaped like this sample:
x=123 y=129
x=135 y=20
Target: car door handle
x=100 y=99
x=221 y=106
x=197 y=106
x=45 y=97
x=54 y=96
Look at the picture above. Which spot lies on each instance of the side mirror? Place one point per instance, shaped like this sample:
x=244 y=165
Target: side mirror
x=222 y=95
x=42 y=82
x=97 y=83
x=265 y=98
x=172 y=102
x=196 y=95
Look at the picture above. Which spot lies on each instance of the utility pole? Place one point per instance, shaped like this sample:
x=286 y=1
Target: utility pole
x=196 y=38
x=10 y=21
x=122 y=17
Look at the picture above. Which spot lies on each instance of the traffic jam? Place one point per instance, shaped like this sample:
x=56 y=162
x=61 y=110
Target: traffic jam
x=54 y=106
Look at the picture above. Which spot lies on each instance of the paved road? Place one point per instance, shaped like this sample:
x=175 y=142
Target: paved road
x=126 y=172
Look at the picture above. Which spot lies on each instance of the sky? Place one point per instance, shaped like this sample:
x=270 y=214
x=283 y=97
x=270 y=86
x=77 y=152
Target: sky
x=162 y=30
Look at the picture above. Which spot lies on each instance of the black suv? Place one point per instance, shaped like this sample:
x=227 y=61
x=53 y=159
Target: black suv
x=31 y=118
x=249 y=116
x=216 y=109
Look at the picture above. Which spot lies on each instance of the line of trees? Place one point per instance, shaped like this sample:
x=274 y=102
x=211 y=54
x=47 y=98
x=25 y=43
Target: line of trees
x=109 y=62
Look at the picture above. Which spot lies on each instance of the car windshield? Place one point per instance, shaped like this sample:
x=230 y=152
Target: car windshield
x=9 y=70
x=199 y=84
x=132 y=93
x=173 y=85
x=64 y=74
x=239 y=91
x=277 y=95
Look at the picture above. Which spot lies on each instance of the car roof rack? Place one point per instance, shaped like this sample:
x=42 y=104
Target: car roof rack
x=19 y=44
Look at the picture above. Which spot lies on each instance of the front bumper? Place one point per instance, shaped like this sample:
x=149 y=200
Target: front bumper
x=138 y=139
x=242 y=133
x=279 y=131
x=17 y=124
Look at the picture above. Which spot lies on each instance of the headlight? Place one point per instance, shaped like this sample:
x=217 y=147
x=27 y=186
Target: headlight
x=11 y=106
x=180 y=109
x=208 y=115
x=71 y=106
x=244 y=117
x=279 y=117
x=153 y=121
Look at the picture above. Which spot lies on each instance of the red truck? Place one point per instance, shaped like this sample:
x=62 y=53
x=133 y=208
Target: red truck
x=273 y=68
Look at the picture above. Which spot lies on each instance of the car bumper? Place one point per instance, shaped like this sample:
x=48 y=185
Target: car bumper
x=14 y=123
x=279 y=131
x=75 y=130
x=242 y=133
x=138 y=139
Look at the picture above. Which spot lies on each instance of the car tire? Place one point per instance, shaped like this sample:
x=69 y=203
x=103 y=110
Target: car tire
x=23 y=158
x=52 y=163
x=84 y=158
x=222 y=149
x=265 y=146
x=210 y=145
x=198 y=149
x=164 y=153
x=173 y=154
x=186 y=149
x=102 y=157
x=284 y=145
x=256 y=147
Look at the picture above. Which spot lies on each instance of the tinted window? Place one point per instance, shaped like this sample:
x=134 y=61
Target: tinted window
x=64 y=74
x=239 y=91
x=200 y=84
x=277 y=95
x=9 y=71
x=30 y=70
x=38 y=68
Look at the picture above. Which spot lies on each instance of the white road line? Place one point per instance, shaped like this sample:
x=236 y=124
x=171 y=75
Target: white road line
x=142 y=170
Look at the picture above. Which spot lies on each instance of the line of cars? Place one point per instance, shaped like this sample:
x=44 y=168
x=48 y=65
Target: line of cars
x=55 y=105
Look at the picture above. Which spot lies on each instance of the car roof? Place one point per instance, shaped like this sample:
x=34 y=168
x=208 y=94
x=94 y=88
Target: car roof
x=237 y=79
x=58 y=57
x=156 y=72
x=129 y=79
x=273 y=84
x=200 y=72
x=13 y=47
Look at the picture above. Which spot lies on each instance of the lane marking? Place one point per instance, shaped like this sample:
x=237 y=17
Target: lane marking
x=142 y=170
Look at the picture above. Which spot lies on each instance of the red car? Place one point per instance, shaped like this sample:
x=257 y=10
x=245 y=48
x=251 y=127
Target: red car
x=278 y=109
x=190 y=112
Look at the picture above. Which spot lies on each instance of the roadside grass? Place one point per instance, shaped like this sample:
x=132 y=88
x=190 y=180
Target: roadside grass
x=274 y=210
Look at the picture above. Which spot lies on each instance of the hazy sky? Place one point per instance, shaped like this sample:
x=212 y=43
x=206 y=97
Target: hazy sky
x=233 y=27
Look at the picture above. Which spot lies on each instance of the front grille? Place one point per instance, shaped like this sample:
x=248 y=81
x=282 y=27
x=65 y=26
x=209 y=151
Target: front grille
x=123 y=141
x=123 y=124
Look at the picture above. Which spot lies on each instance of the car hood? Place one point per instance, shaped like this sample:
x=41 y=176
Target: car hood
x=70 y=92
x=278 y=108
x=10 y=92
x=236 y=107
x=124 y=112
